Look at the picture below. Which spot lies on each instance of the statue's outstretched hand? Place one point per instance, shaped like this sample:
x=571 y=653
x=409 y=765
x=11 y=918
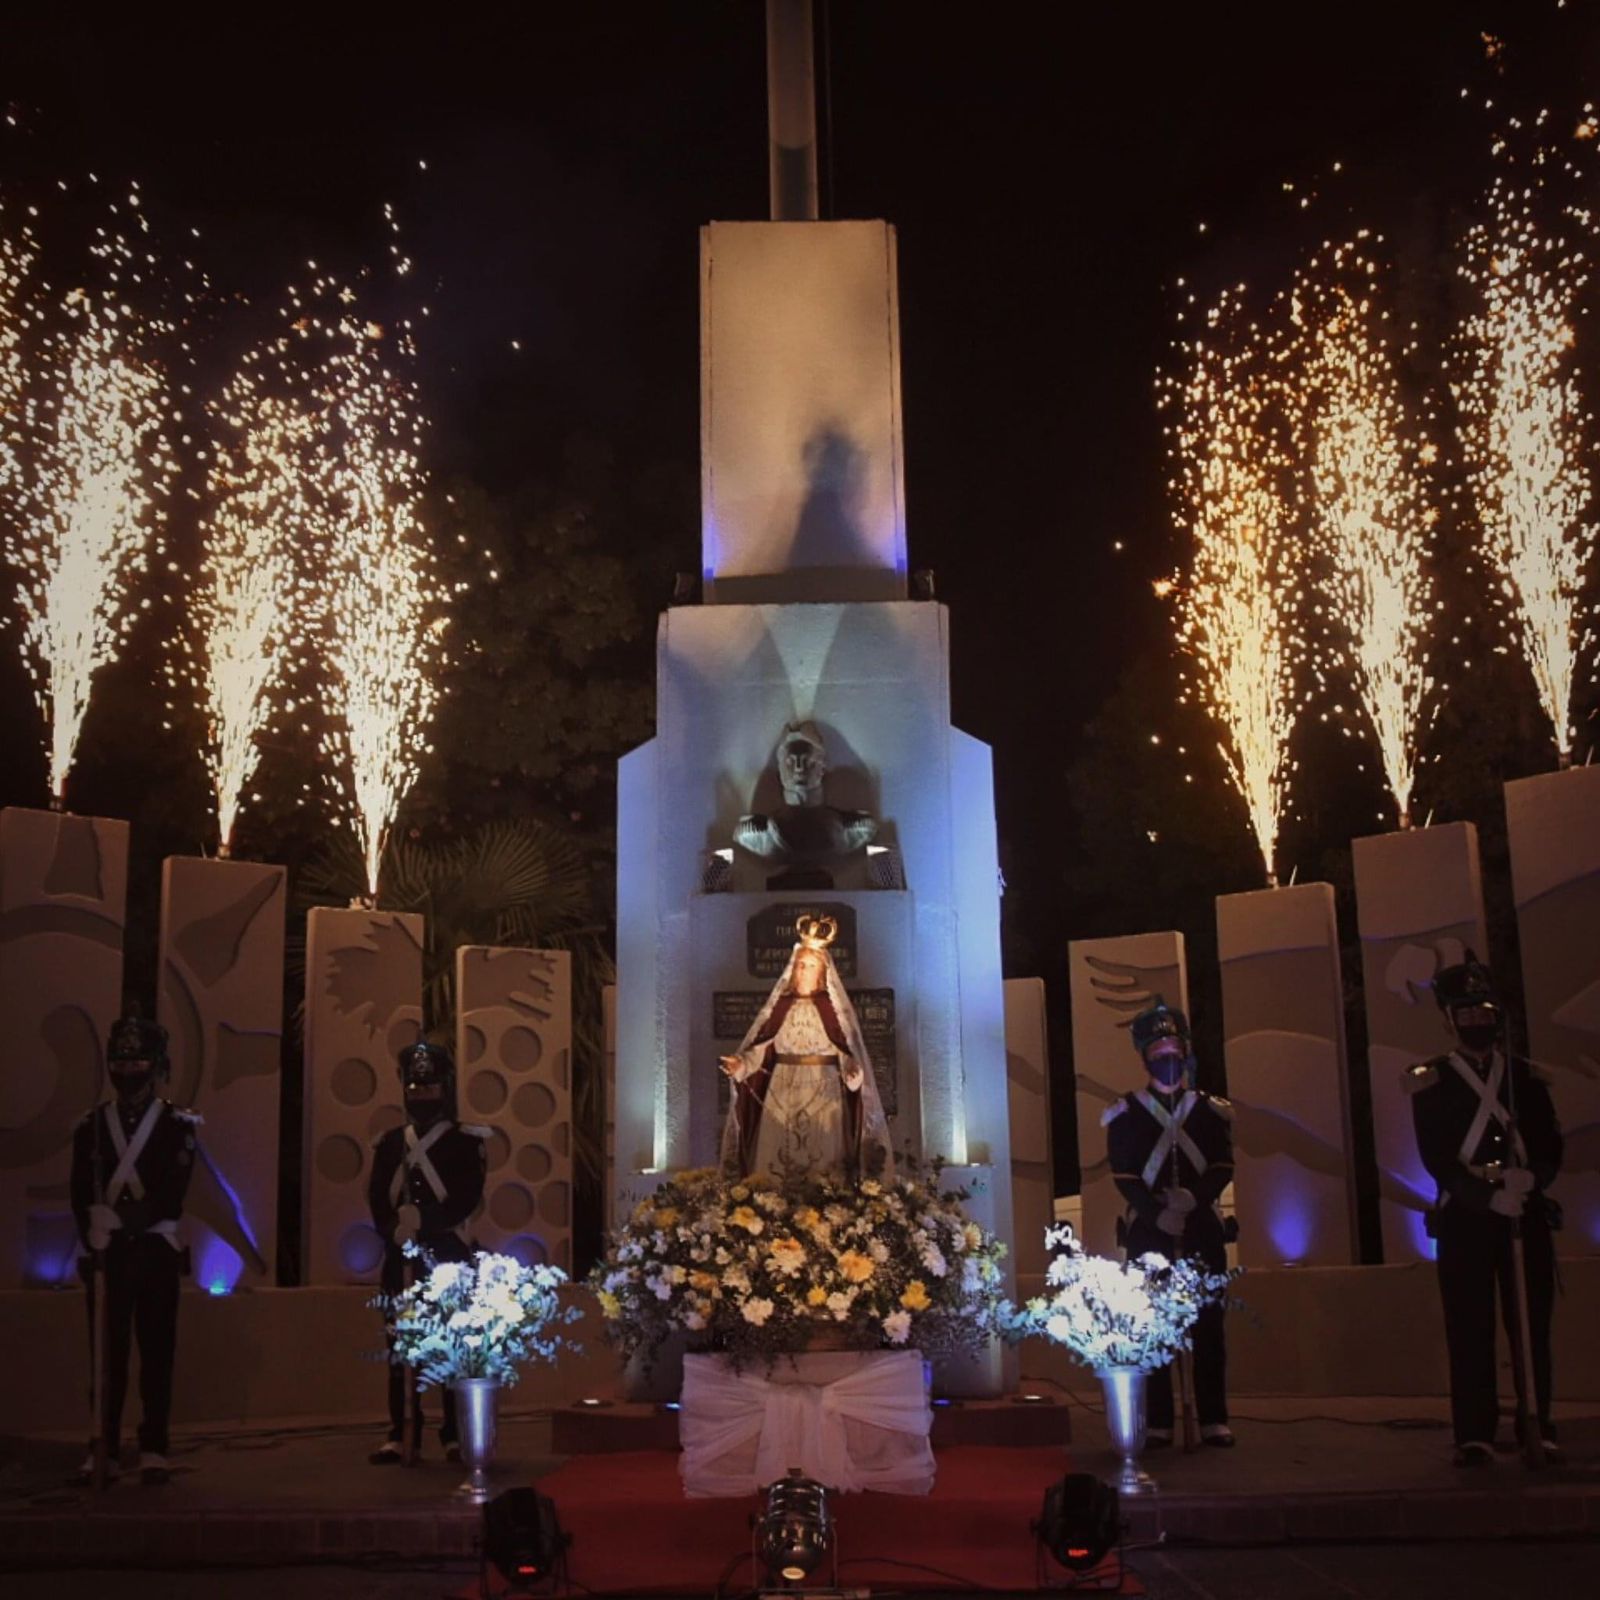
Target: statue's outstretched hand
x=732 y=1065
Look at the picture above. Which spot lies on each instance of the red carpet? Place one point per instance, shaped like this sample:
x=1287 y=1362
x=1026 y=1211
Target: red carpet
x=634 y=1531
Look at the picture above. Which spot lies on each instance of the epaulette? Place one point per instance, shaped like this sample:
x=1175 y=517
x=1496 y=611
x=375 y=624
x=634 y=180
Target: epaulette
x=186 y=1114
x=1423 y=1075
x=1537 y=1071
x=476 y=1129
x=1112 y=1112
x=1223 y=1108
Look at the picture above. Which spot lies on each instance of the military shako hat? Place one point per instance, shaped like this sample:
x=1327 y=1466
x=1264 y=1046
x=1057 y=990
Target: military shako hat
x=1160 y=1021
x=1468 y=983
x=135 y=1038
x=424 y=1065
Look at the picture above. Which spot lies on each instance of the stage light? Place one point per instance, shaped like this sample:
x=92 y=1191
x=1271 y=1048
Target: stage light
x=795 y=1532
x=522 y=1539
x=1080 y=1521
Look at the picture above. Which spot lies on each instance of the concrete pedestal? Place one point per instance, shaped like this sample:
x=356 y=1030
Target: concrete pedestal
x=1419 y=904
x=1032 y=1174
x=514 y=1066
x=221 y=1002
x=1554 y=826
x=1113 y=980
x=363 y=1006
x=63 y=896
x=1283 y=1024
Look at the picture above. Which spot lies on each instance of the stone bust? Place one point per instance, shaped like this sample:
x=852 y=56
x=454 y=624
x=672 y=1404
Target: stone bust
x=805 y=830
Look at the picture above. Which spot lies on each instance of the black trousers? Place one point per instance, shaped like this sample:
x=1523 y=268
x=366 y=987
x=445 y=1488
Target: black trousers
x=142 y=1276
x=1203 y=1241
x=446 y=1247
x=1475 y=1259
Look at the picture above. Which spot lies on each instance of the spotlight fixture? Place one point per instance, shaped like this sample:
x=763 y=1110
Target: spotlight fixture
x=1080 y=1521
x=794 y=1535
x=523 y=1540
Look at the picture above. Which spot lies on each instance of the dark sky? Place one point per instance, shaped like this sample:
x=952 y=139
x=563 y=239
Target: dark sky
x=1046 y=167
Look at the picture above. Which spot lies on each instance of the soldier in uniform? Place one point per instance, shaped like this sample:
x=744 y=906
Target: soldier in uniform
x=131 y=1160
x=1171 y=1154
x=1487 y=1133
x=427 y=1180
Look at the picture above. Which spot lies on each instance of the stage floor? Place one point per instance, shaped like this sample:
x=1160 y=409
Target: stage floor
x=1316 y=1472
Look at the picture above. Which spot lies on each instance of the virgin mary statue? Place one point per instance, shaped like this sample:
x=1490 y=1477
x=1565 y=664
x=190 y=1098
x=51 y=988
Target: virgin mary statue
x=804 y=1097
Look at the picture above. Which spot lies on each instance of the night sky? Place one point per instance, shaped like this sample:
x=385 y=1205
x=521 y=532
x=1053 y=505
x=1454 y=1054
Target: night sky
x=1046 y=168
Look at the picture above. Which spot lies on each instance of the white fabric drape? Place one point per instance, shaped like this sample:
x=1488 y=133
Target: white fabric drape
x=853 y=1420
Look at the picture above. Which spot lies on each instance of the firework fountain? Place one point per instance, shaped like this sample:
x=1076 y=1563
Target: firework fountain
x=1370 y=509
x=1239 y=603
x=1525 y=431
x=89 y=467
x=380 y=601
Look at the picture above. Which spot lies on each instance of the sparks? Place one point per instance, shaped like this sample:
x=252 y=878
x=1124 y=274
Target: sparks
x=1370 y=506
x=1237 y=502
x=90 y=466
x=1524 y=429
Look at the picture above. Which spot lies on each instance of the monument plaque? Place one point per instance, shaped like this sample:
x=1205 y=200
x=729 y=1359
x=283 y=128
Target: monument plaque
x=770 y=937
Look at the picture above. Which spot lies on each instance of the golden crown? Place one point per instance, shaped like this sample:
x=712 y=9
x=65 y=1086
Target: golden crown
x=816 y=933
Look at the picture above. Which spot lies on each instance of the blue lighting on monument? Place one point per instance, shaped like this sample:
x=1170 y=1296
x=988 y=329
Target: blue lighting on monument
x=1292 y=1224
x=217 y=1266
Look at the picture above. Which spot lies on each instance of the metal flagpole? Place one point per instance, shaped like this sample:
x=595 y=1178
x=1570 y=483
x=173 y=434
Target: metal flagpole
x=1184 y=1363
x=1527 y=1396
x=98 y=1353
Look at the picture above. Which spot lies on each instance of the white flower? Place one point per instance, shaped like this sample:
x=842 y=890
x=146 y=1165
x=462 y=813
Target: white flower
x=933 y=1259
x=878 y=1250
x=694 y=1321
x=756 y=1310
x=898 y=1326
x=839 y=1304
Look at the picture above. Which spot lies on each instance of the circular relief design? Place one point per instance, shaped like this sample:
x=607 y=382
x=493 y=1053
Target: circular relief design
x=403 y=1033
x=520 y=1048
x=534 y=1105
x=497 y=1150
x=477 y=1043
x=383 y=1119
x=555 y=1204
x=353 y=1081
x=534 y=1163
x=360 y=1250
x=511 y=1207
x=340 y=1159
x=528 y=1248
x=486 y=1091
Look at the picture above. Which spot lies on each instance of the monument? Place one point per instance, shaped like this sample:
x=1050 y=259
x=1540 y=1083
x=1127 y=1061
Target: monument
x=806 y=640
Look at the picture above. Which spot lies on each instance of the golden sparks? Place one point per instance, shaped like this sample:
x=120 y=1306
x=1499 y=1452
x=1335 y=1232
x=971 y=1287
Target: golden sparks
x=1369 y=503
x=1525 y=432
x=1236 y=499
x=90 y=467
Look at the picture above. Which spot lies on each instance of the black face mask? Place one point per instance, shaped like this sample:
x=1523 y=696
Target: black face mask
x=424 y=1109
x=1168 y=1071
x=1480 y=1037
x=132 y=1085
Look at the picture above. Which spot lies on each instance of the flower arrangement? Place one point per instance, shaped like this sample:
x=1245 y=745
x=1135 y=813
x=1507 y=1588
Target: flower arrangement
x=477 y=1319
x=1118 y=1314
x=758 y=1267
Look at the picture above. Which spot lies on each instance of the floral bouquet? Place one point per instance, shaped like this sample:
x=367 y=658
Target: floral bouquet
x=761 y=1267
x=477 y=1319
x=1114 y=1314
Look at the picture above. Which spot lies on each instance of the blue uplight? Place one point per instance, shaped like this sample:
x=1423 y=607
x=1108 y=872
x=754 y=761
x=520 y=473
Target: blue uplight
x=217 y=1286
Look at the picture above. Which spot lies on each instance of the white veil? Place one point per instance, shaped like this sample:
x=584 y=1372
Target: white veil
x=874 y=1125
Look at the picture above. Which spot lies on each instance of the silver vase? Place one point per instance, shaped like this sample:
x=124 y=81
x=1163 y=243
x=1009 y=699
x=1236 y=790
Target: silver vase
x=475 y=1409
x=1124 y=1392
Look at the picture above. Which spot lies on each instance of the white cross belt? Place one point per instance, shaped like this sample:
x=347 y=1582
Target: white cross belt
x=416 y=1160
x=1490 y=1106
x=1172 y=1134
x=125 y=1175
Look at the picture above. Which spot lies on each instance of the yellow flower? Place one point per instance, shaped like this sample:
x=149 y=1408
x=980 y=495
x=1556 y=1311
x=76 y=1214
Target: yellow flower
x=790 y=1252
x=855 y=1266
x=974 y=1235
x=916 y=1296
x=610 y=1306
x=666 y=1216
x=705 y=1282
x=816 y=1296
x=746 y=1217
x=807 y=1217
x=739 y=1192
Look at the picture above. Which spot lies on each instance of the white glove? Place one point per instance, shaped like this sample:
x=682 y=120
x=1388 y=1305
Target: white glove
x=103 y=1222
x=1179 y=1200
x=1508 y=1202
x=1172 y=1221
x=1517 y=1180
x=406 y=1223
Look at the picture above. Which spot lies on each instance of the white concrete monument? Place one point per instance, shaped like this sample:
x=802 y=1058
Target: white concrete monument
x=1554 y=826
x=1032 y=1175
x=806 y=625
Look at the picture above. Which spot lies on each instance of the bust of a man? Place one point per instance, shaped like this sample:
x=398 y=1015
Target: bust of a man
x=804 y=830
